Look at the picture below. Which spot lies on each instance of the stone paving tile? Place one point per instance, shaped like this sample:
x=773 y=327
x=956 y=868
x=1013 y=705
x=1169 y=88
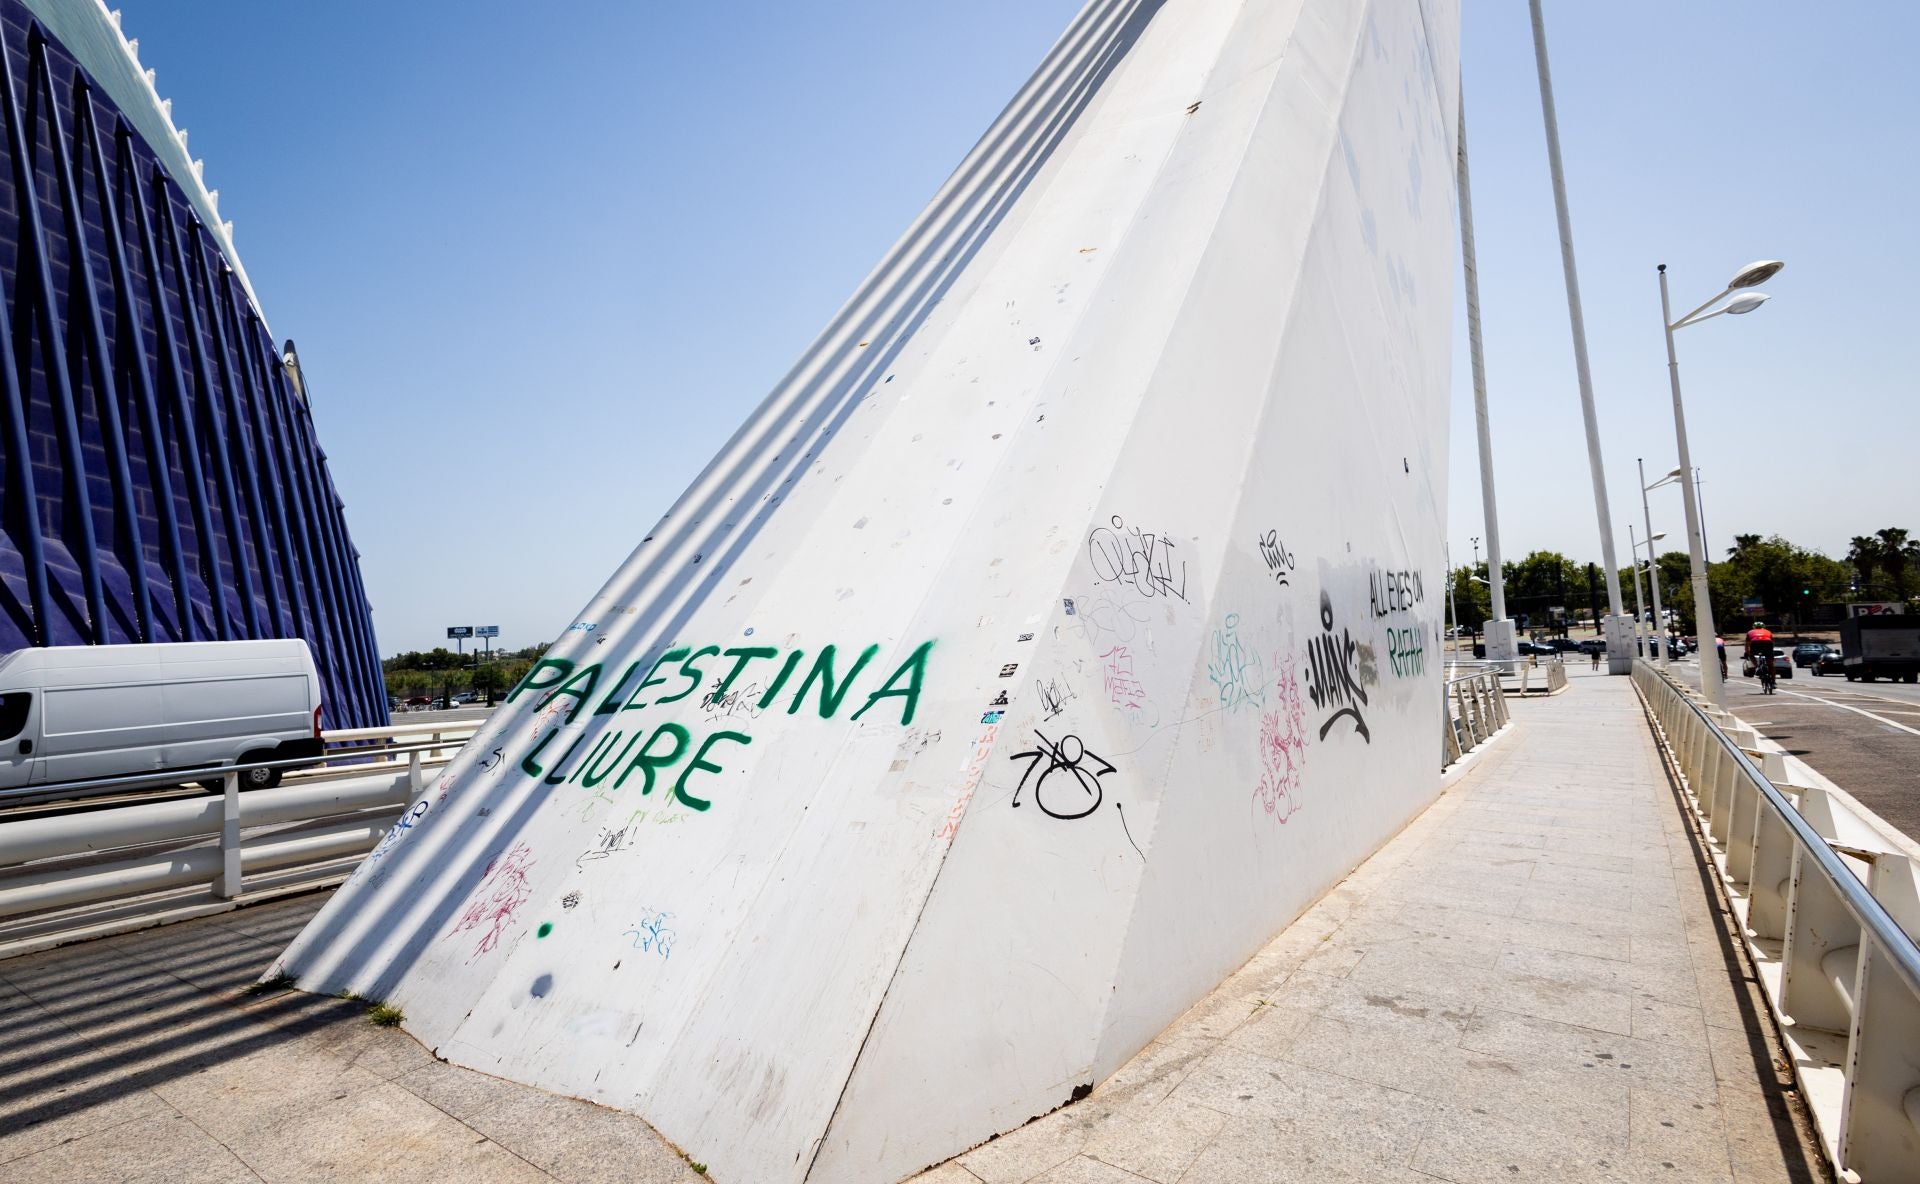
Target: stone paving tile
x=1084 y=1169
x=1375 y=1121
x=374 y=1131
x=947 y=1173
x=580 y=1142
x=1265 y=1151
x=34 y=1121
x=1643 y=1063
x=161 y=1148
x=459 y=1092
x=1040 y=1146
x=1159 y=1145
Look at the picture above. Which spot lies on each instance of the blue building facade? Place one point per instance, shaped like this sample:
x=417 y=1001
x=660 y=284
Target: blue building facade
x=160 y=475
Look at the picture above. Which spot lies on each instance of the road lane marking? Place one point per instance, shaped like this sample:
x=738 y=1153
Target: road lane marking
x=1857 y=711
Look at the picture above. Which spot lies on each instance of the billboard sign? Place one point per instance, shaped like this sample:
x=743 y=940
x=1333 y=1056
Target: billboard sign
x=454 y=631
x=1876 y=608
x=486 y=631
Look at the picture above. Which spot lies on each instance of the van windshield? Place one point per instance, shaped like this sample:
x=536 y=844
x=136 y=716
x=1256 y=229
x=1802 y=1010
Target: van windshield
x=13 y=713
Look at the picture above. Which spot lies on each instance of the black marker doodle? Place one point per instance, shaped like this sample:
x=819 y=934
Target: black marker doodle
x=1279 y=559
x=1054 y=694
x=1332 y=680
x=1129 y=831
x=1066 y=757
x=609 y=842
x=1122 y=554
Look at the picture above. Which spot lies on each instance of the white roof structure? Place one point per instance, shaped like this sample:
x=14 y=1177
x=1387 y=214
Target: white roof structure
x=1066 y=622
x=91 y=32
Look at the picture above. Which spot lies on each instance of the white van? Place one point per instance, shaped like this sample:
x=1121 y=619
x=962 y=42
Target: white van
x=73 y=713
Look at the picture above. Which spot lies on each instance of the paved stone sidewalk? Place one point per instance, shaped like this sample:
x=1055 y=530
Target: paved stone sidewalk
x=1528 y=983
x=141 y=1058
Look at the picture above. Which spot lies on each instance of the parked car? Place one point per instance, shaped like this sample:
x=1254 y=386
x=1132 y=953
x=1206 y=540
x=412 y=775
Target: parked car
x=1593 y=645
x=1565 y=645
x=73 y=713
x=1831 y=662
x=1540 y=648
x=1807 y=653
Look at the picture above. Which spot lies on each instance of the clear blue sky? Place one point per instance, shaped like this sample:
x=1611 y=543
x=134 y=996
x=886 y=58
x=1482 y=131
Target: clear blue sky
x=540 y=265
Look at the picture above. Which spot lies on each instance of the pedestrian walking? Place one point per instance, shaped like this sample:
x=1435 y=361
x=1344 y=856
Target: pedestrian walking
x=1595 y=655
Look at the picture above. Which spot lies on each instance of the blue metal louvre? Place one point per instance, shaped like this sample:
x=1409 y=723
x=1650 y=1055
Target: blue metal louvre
x=160 y=478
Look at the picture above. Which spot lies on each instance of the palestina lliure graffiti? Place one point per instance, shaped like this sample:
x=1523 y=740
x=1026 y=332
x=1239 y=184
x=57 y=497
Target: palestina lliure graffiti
x=627 y=746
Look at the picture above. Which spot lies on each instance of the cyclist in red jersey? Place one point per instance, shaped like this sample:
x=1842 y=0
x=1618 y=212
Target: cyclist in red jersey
x=1760 y=653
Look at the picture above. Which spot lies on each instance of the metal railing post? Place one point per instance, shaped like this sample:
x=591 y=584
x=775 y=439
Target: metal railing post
x=1880 y=1113
x=1818 y=924
x=228 y=885
x=414 y=780
x=1770 y=882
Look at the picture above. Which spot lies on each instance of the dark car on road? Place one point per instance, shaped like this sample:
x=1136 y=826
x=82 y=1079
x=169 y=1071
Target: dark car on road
x=1830 y=662
x=1593 y=645
x=1807 y=653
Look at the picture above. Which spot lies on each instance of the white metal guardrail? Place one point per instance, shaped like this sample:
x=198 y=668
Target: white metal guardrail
x=356 y=750
x=1828 y=898
x=1476 y=708
x=1556 y=675
x=93 y=871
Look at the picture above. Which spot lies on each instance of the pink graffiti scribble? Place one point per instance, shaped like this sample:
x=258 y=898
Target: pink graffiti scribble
x=1123 y=688
x=976 y=769
x=502 y=891
x=1283 y=739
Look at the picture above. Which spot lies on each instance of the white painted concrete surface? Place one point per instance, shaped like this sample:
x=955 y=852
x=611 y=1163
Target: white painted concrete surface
x=1117 y=491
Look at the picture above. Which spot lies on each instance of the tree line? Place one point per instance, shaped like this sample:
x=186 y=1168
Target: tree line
x=441 y=672
x=1793 y=584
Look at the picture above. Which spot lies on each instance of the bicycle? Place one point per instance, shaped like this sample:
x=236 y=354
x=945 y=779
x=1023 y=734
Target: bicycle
x=1764 y=668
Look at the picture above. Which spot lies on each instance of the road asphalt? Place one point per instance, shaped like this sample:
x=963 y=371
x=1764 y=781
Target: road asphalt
x=1865 y=737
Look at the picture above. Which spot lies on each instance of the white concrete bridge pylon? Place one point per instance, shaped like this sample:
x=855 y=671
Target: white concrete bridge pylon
x=1066 y=622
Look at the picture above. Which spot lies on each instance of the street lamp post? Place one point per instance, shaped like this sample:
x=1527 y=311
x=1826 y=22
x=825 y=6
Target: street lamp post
x=1750 y=276
x=1698 y=492
x=1498 y=628
x=1653 y=559
x=1618 y=660
x=1639 y=605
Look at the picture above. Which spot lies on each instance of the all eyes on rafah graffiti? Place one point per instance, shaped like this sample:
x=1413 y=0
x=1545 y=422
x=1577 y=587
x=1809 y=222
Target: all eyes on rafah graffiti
x=622 y=750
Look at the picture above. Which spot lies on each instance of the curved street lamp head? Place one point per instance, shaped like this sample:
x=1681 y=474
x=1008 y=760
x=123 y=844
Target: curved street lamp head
x=1745 y=303
x=1675 y=473
x=1656 y=538
x=1755 y=274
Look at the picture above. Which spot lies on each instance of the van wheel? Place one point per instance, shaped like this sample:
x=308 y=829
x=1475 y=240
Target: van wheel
x=258 y=778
